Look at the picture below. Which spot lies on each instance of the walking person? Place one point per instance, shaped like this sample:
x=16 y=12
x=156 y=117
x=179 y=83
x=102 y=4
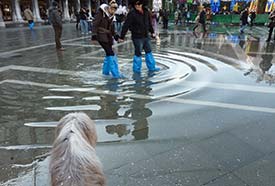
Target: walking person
x=243 y=18
x=103 y=28
x=56 y=21
x=271 y=25
x=252 y=17
x=29 y=16
x=83 y=21
x=202 y=21
x=196 y=25
x=138 y=21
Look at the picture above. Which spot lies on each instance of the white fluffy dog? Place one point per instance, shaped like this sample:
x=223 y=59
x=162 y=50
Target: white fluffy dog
x=73 y=159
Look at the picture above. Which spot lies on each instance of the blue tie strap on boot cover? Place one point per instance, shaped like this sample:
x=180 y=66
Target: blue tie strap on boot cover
x=105 y=67
x=137 y=61
x=150 y=62
x=114 y=67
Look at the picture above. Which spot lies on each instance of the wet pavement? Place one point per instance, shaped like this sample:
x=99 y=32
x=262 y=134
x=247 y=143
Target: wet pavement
x=207 y=118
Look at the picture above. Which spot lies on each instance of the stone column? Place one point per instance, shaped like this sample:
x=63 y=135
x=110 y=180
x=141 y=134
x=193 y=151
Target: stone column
x=36 y=12
x=77 y=5
x=2 y=23
x=16 y=11
x=66 y=14
x=89 y=7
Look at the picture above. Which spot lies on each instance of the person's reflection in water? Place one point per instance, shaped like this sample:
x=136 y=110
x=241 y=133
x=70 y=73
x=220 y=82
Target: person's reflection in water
x=108 y=102
x=120 y=130
x=242 y=40
x=60 y=58
x=138 y=111
x=266 y=64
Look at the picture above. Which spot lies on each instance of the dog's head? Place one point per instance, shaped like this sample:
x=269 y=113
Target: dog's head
x=82 y=123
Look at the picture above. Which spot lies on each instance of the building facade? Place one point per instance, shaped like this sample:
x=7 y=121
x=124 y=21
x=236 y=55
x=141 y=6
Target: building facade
x=12 y=10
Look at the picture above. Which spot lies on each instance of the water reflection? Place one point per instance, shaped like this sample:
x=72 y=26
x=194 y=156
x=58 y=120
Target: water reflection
x=266 y=64
x=135 y=109
x=138 y=111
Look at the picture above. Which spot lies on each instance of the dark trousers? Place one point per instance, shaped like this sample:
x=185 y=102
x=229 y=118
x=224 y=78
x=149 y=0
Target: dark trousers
x=270 y=33
x=107 y=48
x=142 y=44
x=58 y=33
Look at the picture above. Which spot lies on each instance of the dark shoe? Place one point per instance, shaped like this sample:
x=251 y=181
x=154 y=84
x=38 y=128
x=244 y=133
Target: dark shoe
x=268 y=40
x=60 y=49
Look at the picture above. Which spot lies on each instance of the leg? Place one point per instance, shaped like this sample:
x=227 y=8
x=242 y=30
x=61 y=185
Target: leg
x=270 y=34
x=109 y=52
x=82 y=26
x=137 y=61
x=86 y=26
x=149 y=58
x=110 y=63
x=58 y=31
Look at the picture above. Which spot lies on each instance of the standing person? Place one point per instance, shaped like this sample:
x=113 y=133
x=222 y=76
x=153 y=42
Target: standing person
x=139 y=23
x=271 y=25
x=77 y=15
x=56 y=21
x=196 y=24
x=252 y=16
x=29 y=16
x=155 y=22
x=243 y=18
x=165 y=19
x=176 y=17
x=119 y=16
x=202 y=21
x=104 y=29
x=83 y=21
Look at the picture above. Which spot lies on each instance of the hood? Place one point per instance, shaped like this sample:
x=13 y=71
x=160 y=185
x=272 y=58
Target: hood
x=104 y=8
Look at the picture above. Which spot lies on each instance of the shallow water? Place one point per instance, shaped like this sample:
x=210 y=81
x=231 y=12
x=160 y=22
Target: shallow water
x=198 y=78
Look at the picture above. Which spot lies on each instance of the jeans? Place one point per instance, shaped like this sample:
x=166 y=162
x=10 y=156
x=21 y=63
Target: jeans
x=142 y=44
x=84 y=26
x=118 y=27
x=58 y=33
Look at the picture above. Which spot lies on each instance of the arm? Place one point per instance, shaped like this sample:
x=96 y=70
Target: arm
x=126 y=25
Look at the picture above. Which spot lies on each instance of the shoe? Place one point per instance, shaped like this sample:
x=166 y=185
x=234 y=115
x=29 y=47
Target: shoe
x=106 y=67
x=268 y=40
x=137 y=62
x=113 y=65
x=150 y=62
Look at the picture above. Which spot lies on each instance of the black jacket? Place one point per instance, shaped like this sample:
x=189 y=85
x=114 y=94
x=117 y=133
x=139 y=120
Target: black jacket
x=139 y=24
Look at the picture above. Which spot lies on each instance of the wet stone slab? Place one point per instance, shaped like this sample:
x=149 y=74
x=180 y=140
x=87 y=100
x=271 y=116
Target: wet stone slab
x=204 y=119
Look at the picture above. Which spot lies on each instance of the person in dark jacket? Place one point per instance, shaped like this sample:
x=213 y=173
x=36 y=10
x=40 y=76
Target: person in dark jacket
x=271 y=25
x=103 y=28
x=202 y=21
x=165 y=19
x=252 y=16
x=138 y=21
x=243 y=18
x=56 y=21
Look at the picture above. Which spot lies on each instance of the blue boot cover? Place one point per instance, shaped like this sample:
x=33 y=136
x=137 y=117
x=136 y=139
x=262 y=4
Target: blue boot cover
x=31 y=25
x=114 y=67
x=105 y=67
x=137 y=61
x=150 y=62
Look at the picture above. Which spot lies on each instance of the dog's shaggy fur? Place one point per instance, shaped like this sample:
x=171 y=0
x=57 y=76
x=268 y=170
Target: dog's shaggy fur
x=73 y=158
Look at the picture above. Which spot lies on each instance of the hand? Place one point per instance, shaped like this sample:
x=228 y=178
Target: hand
x=153 y=36
x=120 y=40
